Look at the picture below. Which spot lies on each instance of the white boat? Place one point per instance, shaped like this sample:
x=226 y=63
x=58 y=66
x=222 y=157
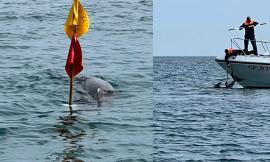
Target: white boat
x=250 y=71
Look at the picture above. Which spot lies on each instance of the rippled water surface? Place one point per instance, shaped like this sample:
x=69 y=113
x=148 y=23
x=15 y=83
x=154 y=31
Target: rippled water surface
x=34 y=123
x=194 y=121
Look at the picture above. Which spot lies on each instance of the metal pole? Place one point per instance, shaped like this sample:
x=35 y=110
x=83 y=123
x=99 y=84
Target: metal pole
x=72 y=77
x=71 y=89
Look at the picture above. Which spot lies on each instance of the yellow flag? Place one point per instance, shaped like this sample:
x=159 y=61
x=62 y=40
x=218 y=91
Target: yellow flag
x=77 y=20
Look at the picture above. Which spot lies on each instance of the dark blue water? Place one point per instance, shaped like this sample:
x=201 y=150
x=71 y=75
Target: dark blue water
x=195 y=122
x=34 y=123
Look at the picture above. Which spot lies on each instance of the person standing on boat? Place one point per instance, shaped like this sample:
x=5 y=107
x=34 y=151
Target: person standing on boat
x=249 y=34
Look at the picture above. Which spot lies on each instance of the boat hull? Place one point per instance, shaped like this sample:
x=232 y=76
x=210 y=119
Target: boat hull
x=250 y=71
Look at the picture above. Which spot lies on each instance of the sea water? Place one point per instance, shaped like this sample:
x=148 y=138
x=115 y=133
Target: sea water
x=35 y=124
x=193 y=121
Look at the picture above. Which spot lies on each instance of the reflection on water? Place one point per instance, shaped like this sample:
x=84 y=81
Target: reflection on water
x=65 y=130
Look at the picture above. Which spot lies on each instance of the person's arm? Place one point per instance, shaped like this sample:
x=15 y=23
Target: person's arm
x=255 y=23
x=242 y=26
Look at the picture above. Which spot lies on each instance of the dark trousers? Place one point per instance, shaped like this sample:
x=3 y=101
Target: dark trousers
x=253 y=42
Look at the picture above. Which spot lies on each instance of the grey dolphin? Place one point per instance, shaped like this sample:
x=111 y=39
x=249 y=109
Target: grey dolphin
x=98 y=88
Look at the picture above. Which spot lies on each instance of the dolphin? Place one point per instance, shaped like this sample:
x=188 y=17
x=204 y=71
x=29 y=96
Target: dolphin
x=98 y=88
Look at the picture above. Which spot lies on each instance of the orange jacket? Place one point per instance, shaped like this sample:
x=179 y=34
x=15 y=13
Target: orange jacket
x=249 y=23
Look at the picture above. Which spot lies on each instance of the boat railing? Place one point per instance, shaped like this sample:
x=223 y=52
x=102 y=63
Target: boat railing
x=264 y=44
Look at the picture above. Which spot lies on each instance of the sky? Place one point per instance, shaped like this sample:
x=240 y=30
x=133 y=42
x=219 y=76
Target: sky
x=200 y=27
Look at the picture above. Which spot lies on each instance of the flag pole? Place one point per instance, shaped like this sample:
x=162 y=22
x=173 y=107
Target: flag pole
x=77 y=21
x=71 y=90
x=71 y=81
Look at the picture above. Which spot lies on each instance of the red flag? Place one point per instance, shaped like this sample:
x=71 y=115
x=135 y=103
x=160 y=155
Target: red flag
x=74 y=59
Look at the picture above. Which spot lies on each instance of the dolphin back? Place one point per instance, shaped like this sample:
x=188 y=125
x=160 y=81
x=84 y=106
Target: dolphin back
x=93 y=83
